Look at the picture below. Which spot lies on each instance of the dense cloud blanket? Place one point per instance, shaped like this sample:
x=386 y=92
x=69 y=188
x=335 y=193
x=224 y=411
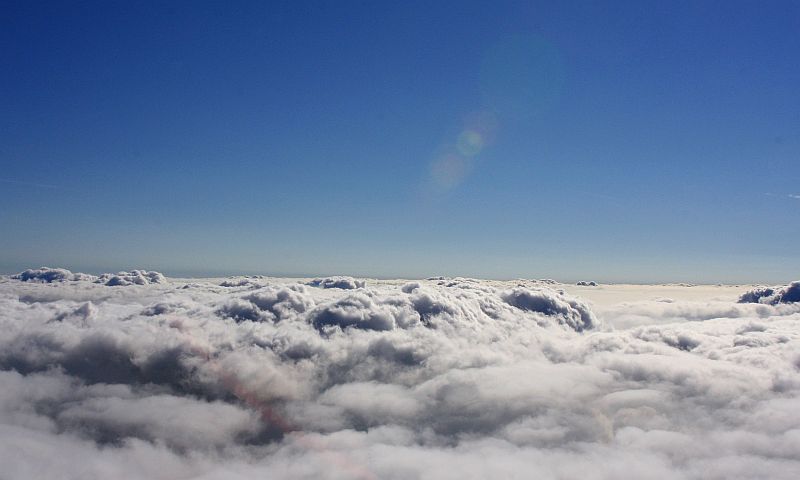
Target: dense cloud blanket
x=134 y=375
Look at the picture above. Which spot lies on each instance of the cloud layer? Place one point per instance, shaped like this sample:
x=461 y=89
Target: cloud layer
x=345 y=378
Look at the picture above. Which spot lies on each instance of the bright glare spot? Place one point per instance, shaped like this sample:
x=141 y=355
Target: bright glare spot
x=470 y=143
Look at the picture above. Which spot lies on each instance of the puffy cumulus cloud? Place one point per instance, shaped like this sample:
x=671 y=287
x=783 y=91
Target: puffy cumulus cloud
x=440 y=378
x=360 y=311
x=49 y=275
x=241 y=310
x=135 y=277
x=282 y=302
x=772 y=296
x=269 y=304
x=569 y=310
x=345 y=283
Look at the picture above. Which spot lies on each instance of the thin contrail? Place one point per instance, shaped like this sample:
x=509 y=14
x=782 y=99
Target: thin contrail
x=30 y=184
x=795 y=196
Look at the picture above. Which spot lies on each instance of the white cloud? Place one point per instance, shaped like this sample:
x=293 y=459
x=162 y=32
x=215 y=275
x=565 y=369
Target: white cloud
x=345 y=283
x=135 y=277
x=438 y=378
x=50 y=275
x=772 y=296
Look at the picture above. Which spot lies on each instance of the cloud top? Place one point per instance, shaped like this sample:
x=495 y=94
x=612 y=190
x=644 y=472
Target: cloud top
x=50 y=275
x=773 y=295
x=135 y=277
x=569 y=310
x=442 y=378
x=345 y=283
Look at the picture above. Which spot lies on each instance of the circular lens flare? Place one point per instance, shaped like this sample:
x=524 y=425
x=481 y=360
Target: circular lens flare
x=449 y=170
x=470 y=143
x=456 y=159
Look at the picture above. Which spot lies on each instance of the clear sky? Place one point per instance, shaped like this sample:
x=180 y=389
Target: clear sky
x=613 y=141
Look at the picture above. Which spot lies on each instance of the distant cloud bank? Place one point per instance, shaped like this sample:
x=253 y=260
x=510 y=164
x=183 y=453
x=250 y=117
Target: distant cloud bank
x=141 y=376
x=50 y=275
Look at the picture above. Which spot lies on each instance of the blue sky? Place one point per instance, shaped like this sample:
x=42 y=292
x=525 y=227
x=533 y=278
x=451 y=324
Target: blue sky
x=614 y=141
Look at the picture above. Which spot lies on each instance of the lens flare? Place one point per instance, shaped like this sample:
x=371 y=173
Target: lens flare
x=485 y=123
x=469 y=143
x=449 y=170
x=456 y=158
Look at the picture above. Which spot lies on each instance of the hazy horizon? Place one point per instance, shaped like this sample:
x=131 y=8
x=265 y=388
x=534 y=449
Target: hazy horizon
x=200 y=274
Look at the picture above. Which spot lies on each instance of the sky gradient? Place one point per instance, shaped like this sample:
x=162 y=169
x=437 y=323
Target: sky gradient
x=617 y=141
